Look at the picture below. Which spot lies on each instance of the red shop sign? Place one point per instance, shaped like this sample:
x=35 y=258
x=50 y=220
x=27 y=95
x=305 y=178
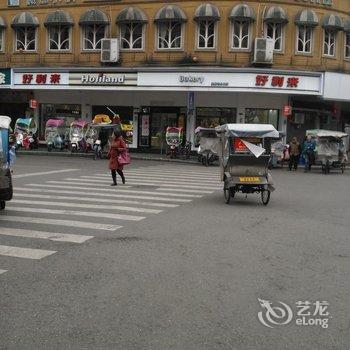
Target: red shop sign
x=287 y=110
x=33 y=104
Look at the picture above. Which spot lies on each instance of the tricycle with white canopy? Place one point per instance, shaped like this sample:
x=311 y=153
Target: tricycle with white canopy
x=244 y=152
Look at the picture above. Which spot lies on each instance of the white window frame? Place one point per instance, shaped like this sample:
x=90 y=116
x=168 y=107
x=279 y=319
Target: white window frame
x=335 y=34
x=304 y=44
x=232 y=32
x=181 y=39
x=346 y=35
x=215 y=34
x=274 y=38
x=60 y=27
x=142 y=48
x=26 y=44
x=82 y=36
x=2 y=39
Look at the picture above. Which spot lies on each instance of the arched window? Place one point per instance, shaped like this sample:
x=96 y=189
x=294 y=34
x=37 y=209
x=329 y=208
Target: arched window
x=25 y=27
x=347 y=39
x=331 y=25
x=170 y=27
x=305 y=21
x=94 y=24
x=59 y=27
x=275 y=19
x=241 y=18
x=131 y=22
x=206 y=17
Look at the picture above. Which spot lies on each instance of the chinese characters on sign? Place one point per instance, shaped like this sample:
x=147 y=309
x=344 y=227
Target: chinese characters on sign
x=41 y=79
x=276 y=81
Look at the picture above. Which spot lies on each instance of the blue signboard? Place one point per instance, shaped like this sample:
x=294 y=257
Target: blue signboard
x=5 y=77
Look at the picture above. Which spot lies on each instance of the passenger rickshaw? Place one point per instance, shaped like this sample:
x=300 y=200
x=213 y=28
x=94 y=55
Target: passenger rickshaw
x=330 y=149
x=207 y=141
x=6 y=190
x=245 y=151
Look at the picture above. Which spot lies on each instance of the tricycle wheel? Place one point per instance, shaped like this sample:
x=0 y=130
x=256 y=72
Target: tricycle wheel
x=265 y=196
x=2 y=205
x=227 y=194
x=342 y=168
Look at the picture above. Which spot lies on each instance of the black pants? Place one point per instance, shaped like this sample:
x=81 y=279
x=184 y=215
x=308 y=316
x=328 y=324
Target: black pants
x=293 y=162
x=114 y=175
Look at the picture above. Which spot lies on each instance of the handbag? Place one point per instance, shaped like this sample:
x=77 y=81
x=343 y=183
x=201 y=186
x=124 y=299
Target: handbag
x=124 y=158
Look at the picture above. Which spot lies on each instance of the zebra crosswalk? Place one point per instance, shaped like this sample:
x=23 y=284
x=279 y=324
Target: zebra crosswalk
x=74 y=210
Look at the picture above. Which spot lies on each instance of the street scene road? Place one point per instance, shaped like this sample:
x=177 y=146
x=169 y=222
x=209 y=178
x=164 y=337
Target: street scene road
x=163 y=262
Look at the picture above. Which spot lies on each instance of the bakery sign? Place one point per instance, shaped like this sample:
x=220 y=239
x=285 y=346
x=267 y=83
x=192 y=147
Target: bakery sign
x=103 y=79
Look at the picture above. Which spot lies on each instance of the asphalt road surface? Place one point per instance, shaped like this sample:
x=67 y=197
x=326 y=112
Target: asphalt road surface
x=163 y=263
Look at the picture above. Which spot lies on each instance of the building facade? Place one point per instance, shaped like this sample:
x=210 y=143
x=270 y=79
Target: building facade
x=185 y=63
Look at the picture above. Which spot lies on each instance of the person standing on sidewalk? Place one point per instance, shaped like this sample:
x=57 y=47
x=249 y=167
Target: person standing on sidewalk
x=117 y=146
x=308 y=152
x=294 y=153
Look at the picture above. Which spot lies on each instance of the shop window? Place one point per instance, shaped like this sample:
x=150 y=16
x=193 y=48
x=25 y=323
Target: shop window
x=11 y=3
x=59 y=38
x=25 y=38
x=2 y=35
x=262 y=116
x=92 y=36
x=170 y=35
x=329 y=41
x=347 y=45
x=240 y=35
x=275 y=31
x=206 y=34
x=210 y=117
x=304 y=39
x=131 y=36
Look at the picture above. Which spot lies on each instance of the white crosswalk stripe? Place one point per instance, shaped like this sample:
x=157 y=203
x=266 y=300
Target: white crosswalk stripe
x=2 y=271
x=86 y=199
x=26 y=253
x=59 y=237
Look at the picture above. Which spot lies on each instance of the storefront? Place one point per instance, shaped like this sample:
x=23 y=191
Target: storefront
x=150 y=100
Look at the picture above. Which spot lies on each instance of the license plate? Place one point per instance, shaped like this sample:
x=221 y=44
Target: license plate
x=249 y=179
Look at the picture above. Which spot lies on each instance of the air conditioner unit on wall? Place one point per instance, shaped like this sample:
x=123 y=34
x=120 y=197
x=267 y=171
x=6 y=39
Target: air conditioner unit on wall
x=263 y=51
x=109 y=50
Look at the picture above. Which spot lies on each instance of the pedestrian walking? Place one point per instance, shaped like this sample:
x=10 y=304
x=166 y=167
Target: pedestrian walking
x=117 y=147
x=308 y=152
x=294 y=153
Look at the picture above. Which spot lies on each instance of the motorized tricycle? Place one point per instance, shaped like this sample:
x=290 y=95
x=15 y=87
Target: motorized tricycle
x=77 y=131
x=6 y=190
x=56 y=134
x=330 y=149
x=244 y=153
x=207 y=141
x=25 y=133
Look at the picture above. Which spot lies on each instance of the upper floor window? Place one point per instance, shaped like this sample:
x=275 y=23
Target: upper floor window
x=59 y=38
x=206 y=16
x=25 y=29
x=331 y=25
x=2 y=35
x=131 y=36
x=25 y=38
x=275 y=19
x=131 y=21
x=329 y=42
x=347 y=45
x=304 y=39
x=305 y=20
x=275 y=31
x=94 y=24
x=170 y=27
x=12 y=3
x=241 y=18
x=92 y=36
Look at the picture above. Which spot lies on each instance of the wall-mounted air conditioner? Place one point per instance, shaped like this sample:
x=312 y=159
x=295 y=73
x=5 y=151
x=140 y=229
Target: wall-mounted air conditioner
x=263 y=51
x=109 y=50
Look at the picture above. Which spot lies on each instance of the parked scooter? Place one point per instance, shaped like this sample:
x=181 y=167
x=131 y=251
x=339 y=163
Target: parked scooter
x=77 y=132
x=55 y=133
x=25 y=131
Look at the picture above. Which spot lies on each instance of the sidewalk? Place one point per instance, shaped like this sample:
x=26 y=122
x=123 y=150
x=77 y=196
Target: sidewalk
x=133 y=154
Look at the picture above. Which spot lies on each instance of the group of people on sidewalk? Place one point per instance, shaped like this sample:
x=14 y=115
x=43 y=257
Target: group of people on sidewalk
x=295 y=150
